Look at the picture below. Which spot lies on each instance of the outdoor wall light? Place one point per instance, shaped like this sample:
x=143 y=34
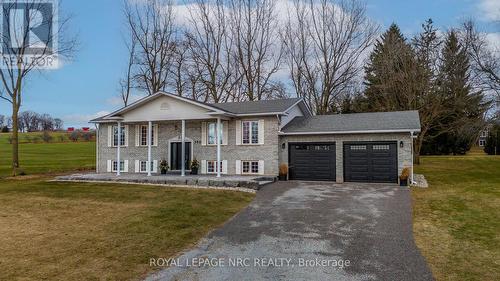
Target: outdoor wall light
x=283 y=146
x=401 y=144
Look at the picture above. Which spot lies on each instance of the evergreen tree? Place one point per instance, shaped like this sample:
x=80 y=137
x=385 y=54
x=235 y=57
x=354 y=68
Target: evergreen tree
x=455 y=131
x=390 y=73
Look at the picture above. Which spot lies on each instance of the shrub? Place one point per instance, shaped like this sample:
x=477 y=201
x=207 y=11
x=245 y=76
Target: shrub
x=283 y=169
x=405 y=174
x=46 y=137
x=74 y=136
x=87 y=136
x=5 y=129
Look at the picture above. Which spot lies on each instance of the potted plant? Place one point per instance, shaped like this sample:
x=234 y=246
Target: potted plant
x=163 y=166
x=283 y=172
x=195 y=165
x=403 y=179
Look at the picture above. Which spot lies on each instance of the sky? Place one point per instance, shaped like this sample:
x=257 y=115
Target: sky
x=87 y=87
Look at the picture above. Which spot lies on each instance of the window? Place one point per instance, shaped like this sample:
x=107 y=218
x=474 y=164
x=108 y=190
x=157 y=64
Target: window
x=144 y=135
x=482 y=142
x=250 y=132
x=211 y=167
x=211 y=136
x=143 y=165
x=381 y=147
x=358 y=147
x=115 y=136
x=484 y=133
x=250 y=167
x=115 y=166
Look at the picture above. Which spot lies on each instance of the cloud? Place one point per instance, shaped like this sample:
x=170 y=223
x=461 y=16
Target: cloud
x=82 y=119
x=490 y=9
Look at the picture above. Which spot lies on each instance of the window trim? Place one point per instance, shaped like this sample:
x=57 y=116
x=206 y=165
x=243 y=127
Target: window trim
x=221 y=133
x=146 y=165
x=123 y=131
x=114 y=169
x=154 y=131
x=215 y=170
x=483 y=143
x=250 y=133
x=250 y=162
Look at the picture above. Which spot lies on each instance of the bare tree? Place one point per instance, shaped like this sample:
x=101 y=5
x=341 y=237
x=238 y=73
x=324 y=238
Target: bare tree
x=58 y=124
x=325 y=44
x=179 y=70
x=485 y=58
x=152 y=25
x=19 y=60
x=210 y=48
x=257 y=53
x=2 y=121
x=127 y=82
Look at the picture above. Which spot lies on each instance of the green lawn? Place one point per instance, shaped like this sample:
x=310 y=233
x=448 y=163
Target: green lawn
x=77 y=231
x=457 y=219
x=36 y=158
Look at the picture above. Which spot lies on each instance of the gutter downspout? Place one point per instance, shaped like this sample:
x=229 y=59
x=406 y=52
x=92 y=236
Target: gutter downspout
x=96 y=148
x=412 y=160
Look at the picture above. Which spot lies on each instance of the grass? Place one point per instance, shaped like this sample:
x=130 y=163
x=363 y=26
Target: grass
x=36 y=158
x=80 y=231
x=457 y=219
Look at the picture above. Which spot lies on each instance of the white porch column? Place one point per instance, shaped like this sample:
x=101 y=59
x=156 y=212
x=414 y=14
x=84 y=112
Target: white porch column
x=218 y=139
x=118 y=148
x=150 y=133
x=183 y=148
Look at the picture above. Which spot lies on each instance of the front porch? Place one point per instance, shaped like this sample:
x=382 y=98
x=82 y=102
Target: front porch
x=242 y=183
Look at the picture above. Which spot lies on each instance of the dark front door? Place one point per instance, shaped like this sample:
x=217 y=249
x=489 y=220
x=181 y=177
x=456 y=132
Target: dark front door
x=175 y=155
x=371 y=161
x=312 y=161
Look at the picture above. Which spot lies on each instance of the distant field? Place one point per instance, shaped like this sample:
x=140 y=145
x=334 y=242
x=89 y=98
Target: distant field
x=37 y=158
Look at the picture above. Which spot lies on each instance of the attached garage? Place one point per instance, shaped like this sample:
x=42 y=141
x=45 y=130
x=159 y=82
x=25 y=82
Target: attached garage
x=371 y=162
x=359 y=147
x=312 y=161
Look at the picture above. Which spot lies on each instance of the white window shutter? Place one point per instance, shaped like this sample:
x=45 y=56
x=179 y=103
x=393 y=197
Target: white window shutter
x=109 y=166
x=203 y=166
x=137 y=166
x=125 y=166
x=225 y=129
x=137 y=135
x=224 y=166
x=110 y=135
x=155 y=166
x=261 y=131
x=238 y=132
x=261 y=167
x=203 y=133
x=155 y=135
x=126 y=135
x=238 y=167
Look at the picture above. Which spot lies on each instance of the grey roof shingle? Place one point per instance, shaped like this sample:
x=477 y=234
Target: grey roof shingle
x=376 y=121
x=255 y=107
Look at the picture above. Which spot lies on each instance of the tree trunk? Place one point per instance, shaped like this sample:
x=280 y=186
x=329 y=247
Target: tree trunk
x=416 y=149
x=15 y=137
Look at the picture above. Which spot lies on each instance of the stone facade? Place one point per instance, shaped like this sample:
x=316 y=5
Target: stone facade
x=404 y=153
x=171 y=131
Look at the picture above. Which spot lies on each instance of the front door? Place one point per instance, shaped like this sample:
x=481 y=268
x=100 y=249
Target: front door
x=175 y=155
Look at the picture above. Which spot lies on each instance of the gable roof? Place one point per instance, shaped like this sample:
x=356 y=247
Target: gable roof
x=383 y=122
x=257 y=107
x=249 y=108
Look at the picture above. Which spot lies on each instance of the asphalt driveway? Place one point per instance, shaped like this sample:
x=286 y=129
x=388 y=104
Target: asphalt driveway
x=310 y=231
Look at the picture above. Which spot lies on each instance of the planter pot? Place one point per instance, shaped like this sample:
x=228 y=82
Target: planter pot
x=282 y=177
x=403 y=182
x=194 y=171
x=163 y=172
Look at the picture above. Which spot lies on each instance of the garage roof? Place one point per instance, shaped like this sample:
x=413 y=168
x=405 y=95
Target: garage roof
x=376 y=122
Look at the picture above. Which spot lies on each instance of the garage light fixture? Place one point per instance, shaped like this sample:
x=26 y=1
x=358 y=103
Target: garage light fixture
x=401 y=144
x=283 y=146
